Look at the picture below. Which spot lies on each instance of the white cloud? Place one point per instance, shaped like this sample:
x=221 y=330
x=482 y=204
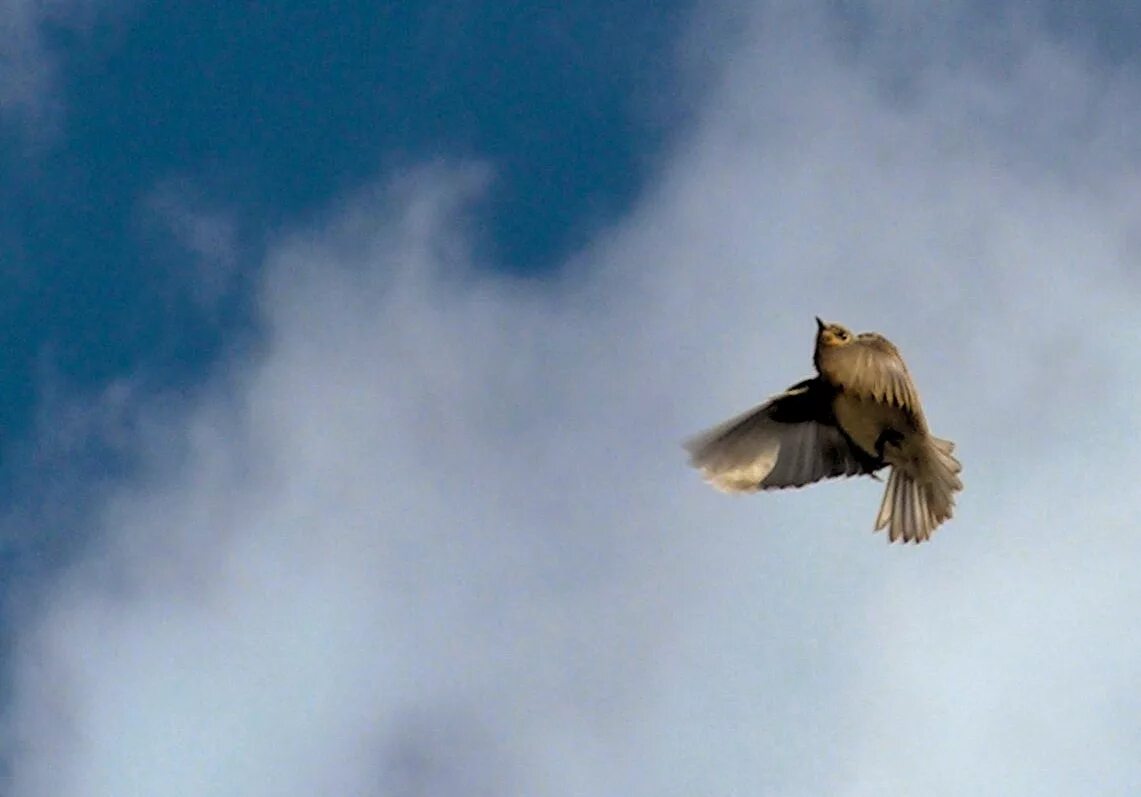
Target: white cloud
x=439 y=538
x=202 y=264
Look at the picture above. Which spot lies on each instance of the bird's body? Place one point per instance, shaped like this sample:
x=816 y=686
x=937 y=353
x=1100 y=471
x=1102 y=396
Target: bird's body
x=859 y=414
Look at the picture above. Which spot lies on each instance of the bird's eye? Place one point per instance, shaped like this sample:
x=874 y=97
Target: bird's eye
x=841 y=334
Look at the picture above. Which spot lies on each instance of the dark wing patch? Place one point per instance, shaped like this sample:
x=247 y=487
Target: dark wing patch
x=788 y=441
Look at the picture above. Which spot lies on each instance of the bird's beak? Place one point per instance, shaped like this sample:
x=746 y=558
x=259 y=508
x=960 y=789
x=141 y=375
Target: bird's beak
x=820 y=324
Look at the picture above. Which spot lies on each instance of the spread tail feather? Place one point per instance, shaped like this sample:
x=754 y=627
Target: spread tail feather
x=917 y=499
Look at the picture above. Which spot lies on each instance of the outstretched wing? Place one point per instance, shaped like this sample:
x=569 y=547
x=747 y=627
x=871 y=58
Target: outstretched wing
x=788 y=441
x=872 y=367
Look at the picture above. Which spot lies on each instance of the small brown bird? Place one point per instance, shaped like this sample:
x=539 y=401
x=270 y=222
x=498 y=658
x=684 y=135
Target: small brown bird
x=860 y=413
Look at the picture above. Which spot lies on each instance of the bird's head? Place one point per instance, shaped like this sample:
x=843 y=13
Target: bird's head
x=831 y=335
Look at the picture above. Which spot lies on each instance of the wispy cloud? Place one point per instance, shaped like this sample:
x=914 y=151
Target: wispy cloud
x=29 y=65
x=195 y=245
x=437 y=536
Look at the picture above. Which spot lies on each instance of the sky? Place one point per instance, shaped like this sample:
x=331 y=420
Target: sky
x=348 y=354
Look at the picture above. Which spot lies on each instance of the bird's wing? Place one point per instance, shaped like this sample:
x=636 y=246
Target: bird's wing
x=785 y=442
x=872 y=367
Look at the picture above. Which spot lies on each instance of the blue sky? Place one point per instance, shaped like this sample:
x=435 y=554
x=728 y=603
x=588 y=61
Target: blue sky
x=348 y=353
x=267 y=113
x=253 y=118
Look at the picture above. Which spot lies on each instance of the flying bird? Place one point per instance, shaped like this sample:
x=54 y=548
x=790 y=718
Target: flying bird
x=859 y=414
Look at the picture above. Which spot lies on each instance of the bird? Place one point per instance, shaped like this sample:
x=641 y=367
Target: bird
x=859 y=414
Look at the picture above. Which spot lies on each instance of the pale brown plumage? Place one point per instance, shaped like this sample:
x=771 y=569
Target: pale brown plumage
x=859 y=414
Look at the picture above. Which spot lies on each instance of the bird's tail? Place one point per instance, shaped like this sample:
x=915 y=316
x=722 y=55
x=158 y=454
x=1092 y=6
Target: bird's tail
x=920 y=494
